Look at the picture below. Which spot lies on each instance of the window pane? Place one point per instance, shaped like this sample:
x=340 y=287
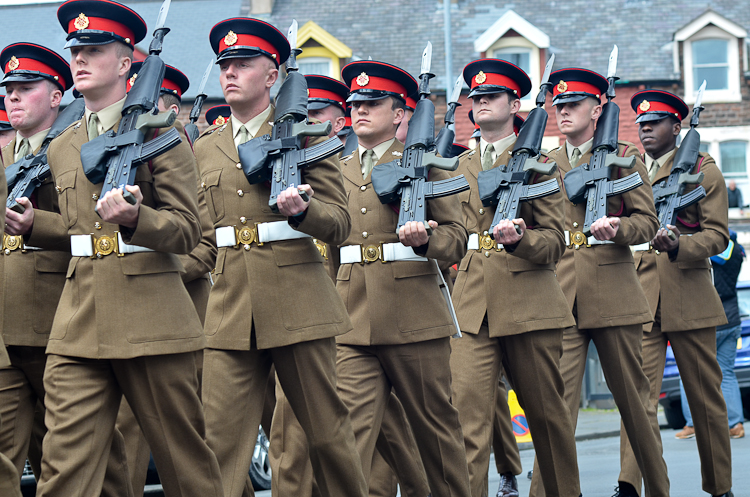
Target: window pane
x=704 y=147
x=710 y=51
x=717 y=78
x=313 y=67
x=521 y=59
x=733 y=159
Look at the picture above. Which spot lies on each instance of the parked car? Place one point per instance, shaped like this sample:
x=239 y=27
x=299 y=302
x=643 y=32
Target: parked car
x=669 y=398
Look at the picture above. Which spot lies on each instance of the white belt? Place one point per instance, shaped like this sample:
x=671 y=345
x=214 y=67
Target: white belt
x=385 y=252
x=99 y=246
x=260 y=233
x=641 y=247
x=482 y=242
x=576 y=238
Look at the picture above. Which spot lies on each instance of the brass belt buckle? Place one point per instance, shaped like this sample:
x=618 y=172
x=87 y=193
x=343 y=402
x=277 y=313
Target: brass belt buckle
x=246 y=236
x=104 y=245
x=371 y=253
x=322 y=248
x=578 y=239
x=11 y=243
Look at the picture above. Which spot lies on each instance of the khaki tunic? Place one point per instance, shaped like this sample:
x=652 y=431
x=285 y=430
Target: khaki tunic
x=684 y=288
x=103 y=312
x=507 y=280
x=398 y=302
x=34 y=279
x=4 y=359
x=604 y=276
x=272 y=295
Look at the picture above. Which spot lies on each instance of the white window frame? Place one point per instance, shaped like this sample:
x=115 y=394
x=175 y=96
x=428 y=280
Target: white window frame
x=715 y=136
x=318 y=60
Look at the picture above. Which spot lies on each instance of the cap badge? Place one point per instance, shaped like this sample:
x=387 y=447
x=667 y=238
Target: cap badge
x=645 y=106
x=132 y=79
x=363 y=79
x=81 y=22
x=220 y=120
x=562 y=86
x=13 y=64
x=230 y=39
x=480 y=78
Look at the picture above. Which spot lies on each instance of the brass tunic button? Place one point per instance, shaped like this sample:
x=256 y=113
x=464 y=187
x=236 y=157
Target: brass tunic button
x=203 y=184
x=657 y=252
x=243 y=220
x=363 y=188
x=365 y=234
x=7 y=251
x=98 y=225
x=575 y=224
x=481 y=211
x=246 y=247
x=240 y=193
x=364 y=210
x=58 y=189
x=95 y=197
x=239 y=165
x=486 y=254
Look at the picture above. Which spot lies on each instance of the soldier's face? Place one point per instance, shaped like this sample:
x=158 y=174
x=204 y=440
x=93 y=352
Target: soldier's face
x=374 y=120
x=575 y=117
x=247 y=80
x=658 y=136
x=329 y=113
x=403 y=128
x=97 y=69
x=494 y=110
x=30 y=104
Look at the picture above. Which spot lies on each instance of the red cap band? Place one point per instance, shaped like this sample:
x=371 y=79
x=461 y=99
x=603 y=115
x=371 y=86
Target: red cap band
x=4 y=116
x=348 y=121
x=411 y=103
x=245 y=40
x=376 y=83
x=575 y=86
x=169 y=85
x=102 y=24
x=656 y=107
x=487 y=78
x=325 y=94
x=33 y=65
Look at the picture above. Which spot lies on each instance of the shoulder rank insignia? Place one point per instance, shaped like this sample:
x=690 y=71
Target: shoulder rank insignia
x=397 y=153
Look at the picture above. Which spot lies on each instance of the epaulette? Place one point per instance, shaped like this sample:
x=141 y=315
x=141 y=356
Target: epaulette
x=347 y=157
x=211 y=129
x=467 y=153
x=74 y=125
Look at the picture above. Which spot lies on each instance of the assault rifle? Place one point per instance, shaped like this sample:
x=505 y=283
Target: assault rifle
x=406 y=178
x=507 y=186
x=112 y=158
x=591 y=181
x=668 y=193
x=27 y=173
x=279 y=157
x=446 y=136
x=191 y=130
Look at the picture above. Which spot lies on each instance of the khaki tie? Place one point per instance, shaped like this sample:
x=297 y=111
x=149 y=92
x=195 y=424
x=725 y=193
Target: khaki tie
x=243 y=135
x=487 y=160
x=653 y=171
x=574 y=157
x=368 y=162
x=93 y=126
x=24 y=149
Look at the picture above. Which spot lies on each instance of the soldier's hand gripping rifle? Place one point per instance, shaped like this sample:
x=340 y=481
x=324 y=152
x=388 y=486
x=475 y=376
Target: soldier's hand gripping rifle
x=590 y=182
x=191 y=129
x=446 y=136
x=668 y=193
x=508 y=186
x=279 y=157
x=28 y=173
x=112 y=158
x=406 y=178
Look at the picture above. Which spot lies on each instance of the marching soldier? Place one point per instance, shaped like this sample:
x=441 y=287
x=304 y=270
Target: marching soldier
x=272 y=302
x=673 y=273
x=35 y=80
x=6 y=130
x=402 y=325
x=125 y=324
x=514 y=333
x=598 y=278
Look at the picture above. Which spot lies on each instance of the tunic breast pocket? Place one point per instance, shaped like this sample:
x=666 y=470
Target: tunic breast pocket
x=470 y=219
x=66 y=183
x=214 y=195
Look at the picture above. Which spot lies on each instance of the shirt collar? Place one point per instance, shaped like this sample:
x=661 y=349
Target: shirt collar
x=108 y=116
x=35 y=141
x=500 y=146
x=253 y=125
x=583 y=148
x=379 y=150
x=660 y=161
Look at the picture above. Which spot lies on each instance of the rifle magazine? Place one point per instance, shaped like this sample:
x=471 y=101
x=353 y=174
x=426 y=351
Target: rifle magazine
x=322 y=151
x=162 y=143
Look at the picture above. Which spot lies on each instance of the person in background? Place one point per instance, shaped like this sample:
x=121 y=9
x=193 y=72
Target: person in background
x=734 y=195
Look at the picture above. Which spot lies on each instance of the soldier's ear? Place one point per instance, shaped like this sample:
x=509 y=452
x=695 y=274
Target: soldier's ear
x=676 y=128
x=596 y=111
x=338 y=124
x=515 y=105
x=271 y=76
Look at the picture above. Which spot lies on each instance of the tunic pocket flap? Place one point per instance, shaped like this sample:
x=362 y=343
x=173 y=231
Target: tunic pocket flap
x=699 y=264
x=410 y=269
x=66 y=180
x=211 y=178
x=150 y=263
x=345 y=272
x=51 y=261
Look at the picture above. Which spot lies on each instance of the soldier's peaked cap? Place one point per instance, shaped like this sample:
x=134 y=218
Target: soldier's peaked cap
x=457 y=149
x=654 y=105
x=174 y=82
x=99 y=22
x=324 y=91
x=574 y=84
x=241 y=37
x=372 y=80
x=218 y=114
x=29 y=62
x=4 y=121
x=485 y=76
